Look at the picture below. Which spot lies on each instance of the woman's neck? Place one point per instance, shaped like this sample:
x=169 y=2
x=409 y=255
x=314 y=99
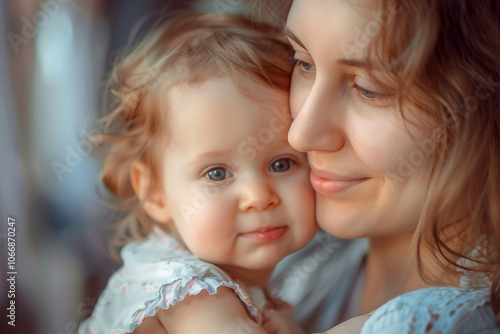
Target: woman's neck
x=391 y=270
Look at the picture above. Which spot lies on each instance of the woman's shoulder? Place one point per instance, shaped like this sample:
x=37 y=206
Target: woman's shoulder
x=435 y=310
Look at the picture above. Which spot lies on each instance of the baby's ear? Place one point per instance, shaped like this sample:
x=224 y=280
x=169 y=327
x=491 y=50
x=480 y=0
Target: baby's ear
x=151 y=196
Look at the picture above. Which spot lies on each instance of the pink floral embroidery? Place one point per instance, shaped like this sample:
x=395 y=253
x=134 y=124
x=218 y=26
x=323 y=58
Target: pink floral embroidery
x=149 y=288
x=91 y=331
x=124 y=287
x=142 y=319
x=191 y=286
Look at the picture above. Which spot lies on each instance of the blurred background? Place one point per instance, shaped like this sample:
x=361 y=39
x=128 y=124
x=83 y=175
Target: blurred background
x=53 y=58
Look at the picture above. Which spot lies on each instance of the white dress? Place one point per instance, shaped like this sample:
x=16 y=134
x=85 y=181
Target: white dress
x=156 y=274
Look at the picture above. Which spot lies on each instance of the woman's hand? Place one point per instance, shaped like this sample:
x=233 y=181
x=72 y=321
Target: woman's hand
x=279 y=320
x=350 y=326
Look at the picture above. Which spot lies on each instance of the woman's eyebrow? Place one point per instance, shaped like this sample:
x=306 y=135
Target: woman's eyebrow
x=351 y=63
x=289 y=33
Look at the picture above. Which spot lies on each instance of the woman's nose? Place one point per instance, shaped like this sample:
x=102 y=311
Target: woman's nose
x=317 y=123
x=258 y=195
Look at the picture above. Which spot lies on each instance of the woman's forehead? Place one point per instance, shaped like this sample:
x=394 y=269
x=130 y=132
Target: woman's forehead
x=334 y=29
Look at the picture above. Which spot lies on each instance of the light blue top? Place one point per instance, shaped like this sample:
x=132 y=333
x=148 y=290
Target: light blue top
x=435 y=310
x=323 y=282
x=156 y=274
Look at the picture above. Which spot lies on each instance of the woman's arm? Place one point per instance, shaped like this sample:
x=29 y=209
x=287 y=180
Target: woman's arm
x=350 y=326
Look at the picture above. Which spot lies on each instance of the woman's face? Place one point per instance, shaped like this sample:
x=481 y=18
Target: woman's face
x=369 y=166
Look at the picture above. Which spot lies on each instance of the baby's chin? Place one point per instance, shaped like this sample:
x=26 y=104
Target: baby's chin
x=270 y=262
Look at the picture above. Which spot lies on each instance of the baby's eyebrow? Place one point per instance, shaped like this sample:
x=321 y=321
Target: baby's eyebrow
x=290 y=34
x=213 y=154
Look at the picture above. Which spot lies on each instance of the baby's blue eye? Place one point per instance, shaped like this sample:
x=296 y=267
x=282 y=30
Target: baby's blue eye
x=281 y=165
x=218 y=174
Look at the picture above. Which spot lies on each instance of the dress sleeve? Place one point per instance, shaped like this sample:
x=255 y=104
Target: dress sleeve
x=149 y=303
x=157 y=273
x=172 y=293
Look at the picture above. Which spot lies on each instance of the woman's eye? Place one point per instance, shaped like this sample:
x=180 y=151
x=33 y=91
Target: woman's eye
x=373 y=98
x=367 y=93
x=281 y=165
x=218 y=174
x=304 y=66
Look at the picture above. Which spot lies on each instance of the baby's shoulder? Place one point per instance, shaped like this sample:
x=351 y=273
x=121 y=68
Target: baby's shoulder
x=435 y=310
x=157 y=273
x=200 y=313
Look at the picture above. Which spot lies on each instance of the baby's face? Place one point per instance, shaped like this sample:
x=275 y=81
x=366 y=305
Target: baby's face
x=238 y=194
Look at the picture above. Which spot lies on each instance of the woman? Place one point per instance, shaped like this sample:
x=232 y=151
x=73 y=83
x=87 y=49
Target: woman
x=397 y=105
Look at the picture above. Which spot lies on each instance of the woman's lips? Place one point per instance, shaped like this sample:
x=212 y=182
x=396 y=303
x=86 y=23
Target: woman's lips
x=266 y=234
x=326 y=186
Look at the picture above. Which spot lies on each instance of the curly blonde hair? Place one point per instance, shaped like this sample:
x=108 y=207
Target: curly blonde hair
x=184 y=50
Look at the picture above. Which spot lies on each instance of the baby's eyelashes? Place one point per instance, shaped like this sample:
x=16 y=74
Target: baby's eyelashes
x=281 y=165
x=218 y=174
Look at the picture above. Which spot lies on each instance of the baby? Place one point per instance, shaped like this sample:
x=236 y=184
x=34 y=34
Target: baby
x=198 y=154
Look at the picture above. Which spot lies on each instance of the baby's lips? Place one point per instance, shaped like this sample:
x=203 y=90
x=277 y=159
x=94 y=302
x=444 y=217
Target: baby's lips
x=268 y=234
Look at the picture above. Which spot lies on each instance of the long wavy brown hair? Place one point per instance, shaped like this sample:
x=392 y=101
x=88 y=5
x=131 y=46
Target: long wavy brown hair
x=183 y=50
x=442 y=58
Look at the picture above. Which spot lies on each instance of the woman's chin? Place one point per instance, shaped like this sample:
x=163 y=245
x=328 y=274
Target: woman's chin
x=337 y=223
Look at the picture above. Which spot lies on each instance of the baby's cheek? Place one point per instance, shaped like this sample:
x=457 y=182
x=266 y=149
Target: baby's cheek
x=301 y=204
x=205 y=241
x=306 y=217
